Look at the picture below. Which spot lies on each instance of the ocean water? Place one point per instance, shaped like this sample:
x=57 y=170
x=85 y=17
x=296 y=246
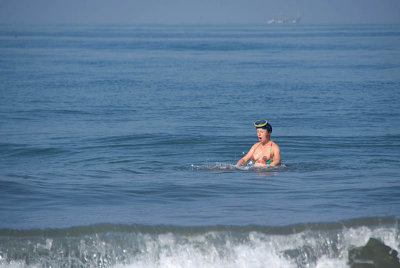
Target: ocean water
x=118 y=145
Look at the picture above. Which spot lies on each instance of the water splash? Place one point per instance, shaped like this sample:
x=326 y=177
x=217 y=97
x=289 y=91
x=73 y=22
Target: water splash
x=221 y=166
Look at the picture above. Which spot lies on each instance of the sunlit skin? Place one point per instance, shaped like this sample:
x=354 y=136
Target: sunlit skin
x=260 y=152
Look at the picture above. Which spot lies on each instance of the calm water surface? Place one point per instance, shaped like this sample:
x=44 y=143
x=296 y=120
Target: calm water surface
x=141 y=126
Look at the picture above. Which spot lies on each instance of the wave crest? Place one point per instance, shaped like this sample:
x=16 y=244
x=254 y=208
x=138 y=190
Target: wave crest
x=109 y=245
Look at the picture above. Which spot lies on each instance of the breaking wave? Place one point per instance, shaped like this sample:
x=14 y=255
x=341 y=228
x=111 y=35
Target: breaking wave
x=339 y=244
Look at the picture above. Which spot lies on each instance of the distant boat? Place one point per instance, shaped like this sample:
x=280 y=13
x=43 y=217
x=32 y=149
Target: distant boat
x=284 y=21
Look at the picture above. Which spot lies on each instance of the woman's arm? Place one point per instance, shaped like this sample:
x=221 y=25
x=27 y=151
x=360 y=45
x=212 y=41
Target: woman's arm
x=276 y=155
x=246 y=158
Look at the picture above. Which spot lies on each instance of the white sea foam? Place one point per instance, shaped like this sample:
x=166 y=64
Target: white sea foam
x=256 y=250
x=233 y=247
x=192 y=255
x=304 y=249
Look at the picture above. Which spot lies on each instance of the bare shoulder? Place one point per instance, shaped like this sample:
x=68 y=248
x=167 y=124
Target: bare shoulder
x=255 y=145
x=276 y=147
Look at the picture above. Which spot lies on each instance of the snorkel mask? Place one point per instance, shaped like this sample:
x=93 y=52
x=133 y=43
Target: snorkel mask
x=263 y=124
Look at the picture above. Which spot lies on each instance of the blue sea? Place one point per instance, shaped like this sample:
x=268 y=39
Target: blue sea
x=119 y=143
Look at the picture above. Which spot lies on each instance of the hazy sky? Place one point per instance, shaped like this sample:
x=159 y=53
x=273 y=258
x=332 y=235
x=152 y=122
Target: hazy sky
x=197 y=11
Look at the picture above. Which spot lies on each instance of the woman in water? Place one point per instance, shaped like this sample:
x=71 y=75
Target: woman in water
x=265 y=152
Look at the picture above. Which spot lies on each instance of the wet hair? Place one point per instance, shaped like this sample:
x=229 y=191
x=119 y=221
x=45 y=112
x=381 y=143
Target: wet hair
x=268 y=127
x=263 y=124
